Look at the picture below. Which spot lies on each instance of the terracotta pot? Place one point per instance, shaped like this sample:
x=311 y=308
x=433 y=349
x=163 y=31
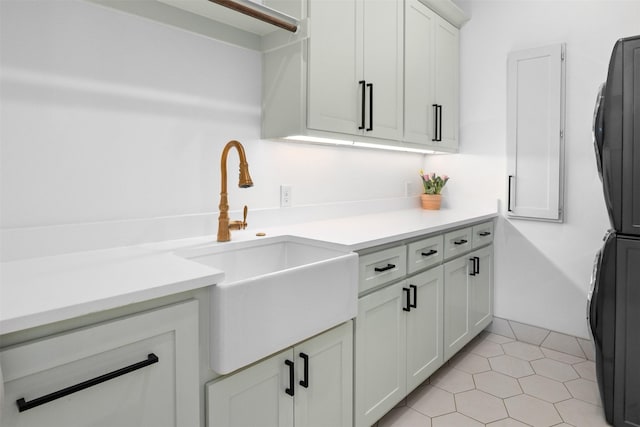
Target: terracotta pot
x=431 y=201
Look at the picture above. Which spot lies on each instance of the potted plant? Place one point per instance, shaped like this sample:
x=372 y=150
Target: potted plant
x=433 y=185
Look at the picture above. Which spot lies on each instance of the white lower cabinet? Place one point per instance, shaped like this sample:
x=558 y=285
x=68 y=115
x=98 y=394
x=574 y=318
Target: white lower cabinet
x=468 y=298
x=308 y=385
x=398 y=342
x=134 y=371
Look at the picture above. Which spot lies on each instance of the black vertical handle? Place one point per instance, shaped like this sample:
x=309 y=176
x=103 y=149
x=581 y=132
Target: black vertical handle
x=477 y=262
x=435 y=122
x=415 y=296
x=370 y=86
x=305 y=381
x=408 y=299
x=289 y=390
x=363 y=83
x=440 y=122
x=509 y=195
x=473 y=266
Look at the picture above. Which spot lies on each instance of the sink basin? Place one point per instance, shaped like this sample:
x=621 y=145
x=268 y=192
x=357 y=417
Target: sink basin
x=277 y=292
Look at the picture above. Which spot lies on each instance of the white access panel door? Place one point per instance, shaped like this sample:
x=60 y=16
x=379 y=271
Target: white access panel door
x=535 y=133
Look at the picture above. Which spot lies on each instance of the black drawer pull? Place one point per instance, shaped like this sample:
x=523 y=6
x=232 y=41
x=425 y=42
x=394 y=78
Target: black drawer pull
x=381 y=269
x=289 y=390
x=460 y=242
x=24 y=405
x=305 y=381
x=431 y=252
x=485 y=233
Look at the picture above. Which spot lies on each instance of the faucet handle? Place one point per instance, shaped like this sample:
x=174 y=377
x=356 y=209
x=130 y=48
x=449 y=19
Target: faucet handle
x=240 y=225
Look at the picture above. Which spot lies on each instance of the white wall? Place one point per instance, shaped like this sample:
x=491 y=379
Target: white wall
x=542 y=269
x=108 y=117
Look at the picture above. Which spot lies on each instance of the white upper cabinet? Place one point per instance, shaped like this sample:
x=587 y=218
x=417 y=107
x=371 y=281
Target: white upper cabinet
x=431 y=78
x=347 y=75
x=535 y=133
x=365 y=71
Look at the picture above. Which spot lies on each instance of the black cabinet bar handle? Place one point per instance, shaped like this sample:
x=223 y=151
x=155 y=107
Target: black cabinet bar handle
x=381 y=269
x=435 y=122
x=431 y=252
x=370 y=86
x=473 y=266
x=363 y=83
x=439 y=122
x=305 y=381
x=289 y=390
x=415 y=296
x=509 y=195
x=477 y=264
x=460 y=242
x=24 y=405
x=407 y=299
x=485 y=233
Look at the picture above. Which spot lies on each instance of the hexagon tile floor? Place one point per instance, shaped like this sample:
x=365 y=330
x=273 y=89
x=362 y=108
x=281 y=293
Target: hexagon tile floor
x=499 y=382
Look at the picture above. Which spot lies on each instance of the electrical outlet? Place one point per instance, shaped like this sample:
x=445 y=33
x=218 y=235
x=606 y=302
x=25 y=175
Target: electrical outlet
x=407 y=189
x=285 y=196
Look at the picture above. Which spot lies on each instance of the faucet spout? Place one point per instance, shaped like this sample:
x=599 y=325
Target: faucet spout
x=224 y=225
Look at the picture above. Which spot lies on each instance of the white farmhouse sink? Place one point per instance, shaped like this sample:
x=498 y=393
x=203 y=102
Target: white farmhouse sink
x=276 y=292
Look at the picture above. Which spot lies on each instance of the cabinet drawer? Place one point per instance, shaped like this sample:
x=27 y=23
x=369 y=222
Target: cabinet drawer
x=457 y=242
x=162 y=390
x=425 y=253
x=482 y=234
x=382 y=267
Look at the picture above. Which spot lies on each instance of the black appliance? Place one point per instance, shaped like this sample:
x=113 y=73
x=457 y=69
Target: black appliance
x=614 y=298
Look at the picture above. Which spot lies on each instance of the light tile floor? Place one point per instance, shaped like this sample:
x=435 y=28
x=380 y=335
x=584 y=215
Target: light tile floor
x=499 y=382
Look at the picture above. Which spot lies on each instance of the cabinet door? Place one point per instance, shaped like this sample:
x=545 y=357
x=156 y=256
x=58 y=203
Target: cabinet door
x=456 y=305
x=419 y=71
x=535 y=132
x=161 y=393
x=446 y=76
x=383 y=66
x=380 y=354
x=424 y=326
x=324 y=396
x=254 y=396
x=481 y=291
x=334 y=95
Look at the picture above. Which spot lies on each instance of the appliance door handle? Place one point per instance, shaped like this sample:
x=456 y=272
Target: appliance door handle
x=415 y=296
x=370 y=86
x=290 y=390
x=407 y=294
x=23 y=405
x=363 y=83
x=509 y=195
x=304 y=382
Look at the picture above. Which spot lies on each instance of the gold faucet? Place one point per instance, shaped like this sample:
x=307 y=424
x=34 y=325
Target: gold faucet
x=224 y=225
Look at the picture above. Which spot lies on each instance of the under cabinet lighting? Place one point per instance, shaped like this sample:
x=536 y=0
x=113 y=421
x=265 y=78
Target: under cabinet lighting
x=330 y=141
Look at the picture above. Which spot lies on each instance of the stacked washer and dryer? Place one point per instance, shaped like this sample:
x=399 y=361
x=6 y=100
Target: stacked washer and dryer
x=614 y=298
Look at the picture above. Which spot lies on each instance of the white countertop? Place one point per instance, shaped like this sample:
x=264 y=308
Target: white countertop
x=38 y=291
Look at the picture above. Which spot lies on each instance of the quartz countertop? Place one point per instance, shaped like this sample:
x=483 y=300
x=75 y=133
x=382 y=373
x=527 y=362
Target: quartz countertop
x=39 y=291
